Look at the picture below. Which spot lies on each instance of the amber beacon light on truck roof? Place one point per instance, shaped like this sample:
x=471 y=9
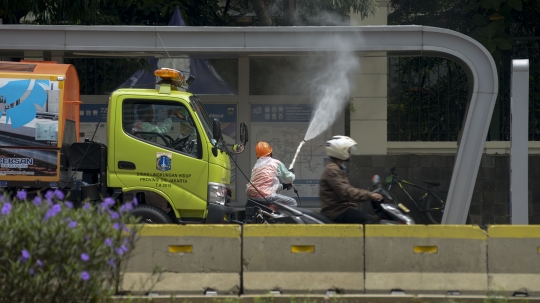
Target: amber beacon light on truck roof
x=174 y=77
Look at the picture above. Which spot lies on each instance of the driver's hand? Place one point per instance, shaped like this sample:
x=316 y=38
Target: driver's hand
x=376 y=196
x=174 y=112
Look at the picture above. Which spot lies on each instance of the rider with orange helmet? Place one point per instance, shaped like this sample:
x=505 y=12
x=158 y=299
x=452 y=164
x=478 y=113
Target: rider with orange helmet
x=266 y=176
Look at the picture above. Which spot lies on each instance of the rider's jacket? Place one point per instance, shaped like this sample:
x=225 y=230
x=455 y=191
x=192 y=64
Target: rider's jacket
x=265 y=176
x=336 y=193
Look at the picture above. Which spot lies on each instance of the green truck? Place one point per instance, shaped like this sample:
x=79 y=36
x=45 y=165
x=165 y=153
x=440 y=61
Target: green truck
x=162 y=147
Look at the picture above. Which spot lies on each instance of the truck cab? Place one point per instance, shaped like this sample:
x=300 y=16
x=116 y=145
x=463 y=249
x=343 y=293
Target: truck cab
x=165 y=151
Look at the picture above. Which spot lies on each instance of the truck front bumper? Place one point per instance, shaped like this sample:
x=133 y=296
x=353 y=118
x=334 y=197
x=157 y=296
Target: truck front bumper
x=220 y=214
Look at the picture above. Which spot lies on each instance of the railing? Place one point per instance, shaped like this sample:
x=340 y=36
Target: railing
x=427 y=97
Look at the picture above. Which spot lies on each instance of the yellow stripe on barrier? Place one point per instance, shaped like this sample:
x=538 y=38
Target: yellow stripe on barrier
x=180 y=248
x=425 y=249
x=425 y=231
x=514 y=231
x=294 y=230
x=196 y=230
x=302 y=249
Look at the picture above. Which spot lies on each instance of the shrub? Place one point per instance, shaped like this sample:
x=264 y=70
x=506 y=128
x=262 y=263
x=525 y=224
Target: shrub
x=52 y=252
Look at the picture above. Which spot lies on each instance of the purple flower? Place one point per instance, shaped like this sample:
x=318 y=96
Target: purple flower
x=69 y=204
x=49 y=196
x=72 y=224
x=31 y=271
x=108 y=242
x=86 y=205
x=108 y=202
x=85 y=257
x=21 y=195
x=53 y=211
x=111 y=263
x=59 y=194
x=126 y=207
x=39 y=263
x=114 y=215
x=25 y=255
x=6 y=209
x=135 y=201
x=119 y=251
x=85 y=276
x=124 y=248
x=37 y=200
x=117 y=226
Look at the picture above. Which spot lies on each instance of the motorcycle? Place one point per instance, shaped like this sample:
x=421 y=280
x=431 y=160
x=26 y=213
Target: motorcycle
x=389 y=212
x=263 y=211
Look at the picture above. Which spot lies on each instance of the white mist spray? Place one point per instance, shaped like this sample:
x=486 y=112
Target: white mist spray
x=331 y=89
x=332 y=94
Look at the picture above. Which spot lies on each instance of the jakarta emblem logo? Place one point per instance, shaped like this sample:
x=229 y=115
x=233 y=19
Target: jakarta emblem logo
x=163 y=161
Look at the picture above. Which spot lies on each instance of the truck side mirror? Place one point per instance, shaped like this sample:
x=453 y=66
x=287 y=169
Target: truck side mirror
x=244 y=137
x=216 y=129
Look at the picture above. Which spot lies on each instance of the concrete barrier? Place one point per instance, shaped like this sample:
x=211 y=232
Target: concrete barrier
x=303 y=259
x=420 y=259
x=195 y=258
x=514 y=260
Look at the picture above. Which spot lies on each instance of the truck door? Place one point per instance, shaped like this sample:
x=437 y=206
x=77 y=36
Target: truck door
x=158 y=148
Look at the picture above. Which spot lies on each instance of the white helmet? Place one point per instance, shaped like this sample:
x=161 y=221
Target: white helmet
x=339 y=147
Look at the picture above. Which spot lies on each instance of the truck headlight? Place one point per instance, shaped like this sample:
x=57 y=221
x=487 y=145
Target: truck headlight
x=217 y=193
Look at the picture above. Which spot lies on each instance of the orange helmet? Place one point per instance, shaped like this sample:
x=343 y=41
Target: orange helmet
x=262 y=149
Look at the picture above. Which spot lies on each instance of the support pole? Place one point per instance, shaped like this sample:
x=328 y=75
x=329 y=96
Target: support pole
x=519 y=142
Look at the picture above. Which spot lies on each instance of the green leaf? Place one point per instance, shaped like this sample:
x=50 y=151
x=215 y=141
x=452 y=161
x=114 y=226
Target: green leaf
x=495 y=27
x=497 y=3
x=468 y=8
x=503 y=43
x=516 y=4
x=479 y=19
x=488 y=4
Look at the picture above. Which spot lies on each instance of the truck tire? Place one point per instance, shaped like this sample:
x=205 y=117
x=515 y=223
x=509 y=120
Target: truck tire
x=150 y=214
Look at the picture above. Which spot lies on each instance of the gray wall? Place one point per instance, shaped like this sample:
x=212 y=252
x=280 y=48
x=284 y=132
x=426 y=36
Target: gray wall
x=490 y=203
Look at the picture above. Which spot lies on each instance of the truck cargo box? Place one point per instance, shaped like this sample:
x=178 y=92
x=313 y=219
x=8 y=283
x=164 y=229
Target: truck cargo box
x=39 y=119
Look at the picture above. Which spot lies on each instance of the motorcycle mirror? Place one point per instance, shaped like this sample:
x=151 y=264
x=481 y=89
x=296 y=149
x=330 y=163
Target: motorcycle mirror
x=238 y=148
x=376 y=179
x=244 y=138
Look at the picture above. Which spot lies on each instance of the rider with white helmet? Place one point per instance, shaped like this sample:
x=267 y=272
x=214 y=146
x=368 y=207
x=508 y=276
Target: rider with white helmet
x=338 y=197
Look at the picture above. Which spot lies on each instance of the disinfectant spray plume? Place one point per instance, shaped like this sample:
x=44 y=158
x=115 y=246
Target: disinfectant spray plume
x=297 y=152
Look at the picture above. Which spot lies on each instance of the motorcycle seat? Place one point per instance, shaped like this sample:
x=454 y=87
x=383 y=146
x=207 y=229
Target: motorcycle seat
x=259 y=200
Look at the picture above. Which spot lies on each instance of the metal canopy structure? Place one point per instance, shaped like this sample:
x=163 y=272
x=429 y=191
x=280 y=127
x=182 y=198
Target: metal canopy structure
x=141 y=41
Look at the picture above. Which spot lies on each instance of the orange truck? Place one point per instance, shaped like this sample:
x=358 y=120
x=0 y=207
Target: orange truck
x=39 y=105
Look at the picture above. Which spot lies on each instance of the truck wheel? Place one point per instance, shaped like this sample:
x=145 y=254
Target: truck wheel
x=150 y=214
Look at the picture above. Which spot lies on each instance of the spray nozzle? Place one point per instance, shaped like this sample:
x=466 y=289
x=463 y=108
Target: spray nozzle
x=297 y=152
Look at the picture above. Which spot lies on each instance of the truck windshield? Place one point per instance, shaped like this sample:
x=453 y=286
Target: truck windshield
x=203 y=116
